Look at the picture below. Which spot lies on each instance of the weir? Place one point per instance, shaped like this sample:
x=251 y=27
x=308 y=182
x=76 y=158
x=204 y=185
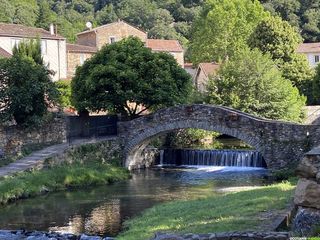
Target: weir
x=231 y=158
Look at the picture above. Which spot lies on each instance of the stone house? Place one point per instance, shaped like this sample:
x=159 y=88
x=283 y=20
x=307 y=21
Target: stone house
x=311 y=51
x=76 y=55
x=53 y=46
x=203 y=73
x=116 y=31
x=170 y=46
x=109 y=33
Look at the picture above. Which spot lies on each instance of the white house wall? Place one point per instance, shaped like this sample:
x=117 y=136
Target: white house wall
x=56 y=58
x=56 y=49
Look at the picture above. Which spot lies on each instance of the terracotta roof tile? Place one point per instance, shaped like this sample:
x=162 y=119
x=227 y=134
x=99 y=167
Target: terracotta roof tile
x=209 y=68
x=4 y=53
x=309 y=47
x=80 y=48
x=164 y=45
x=17 y=30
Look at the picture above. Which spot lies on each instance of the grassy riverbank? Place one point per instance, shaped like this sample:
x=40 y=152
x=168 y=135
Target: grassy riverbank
x=59 y=178
x=230 y=212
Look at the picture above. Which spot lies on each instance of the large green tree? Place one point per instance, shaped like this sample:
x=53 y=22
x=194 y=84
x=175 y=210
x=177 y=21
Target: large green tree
x=279 y=39
x=223 y=28
x=26 y=87
x=26 y=91
x=303 y=14
x=126 y=77
x=250 y=82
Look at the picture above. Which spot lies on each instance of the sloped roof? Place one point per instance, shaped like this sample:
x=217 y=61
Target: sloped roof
x=17 y=30
x=109 y=24
x=209 y=68
x=80 y=48
x=309 y=47
x=4 y=53
x=164 y=45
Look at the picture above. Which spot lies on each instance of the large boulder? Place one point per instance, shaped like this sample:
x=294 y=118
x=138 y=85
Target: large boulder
x=307 y=194
x=309 y=167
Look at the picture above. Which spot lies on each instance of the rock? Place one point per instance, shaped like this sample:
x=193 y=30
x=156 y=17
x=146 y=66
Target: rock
x=307 y=167
x=305 y=222
x=307 y=194
x=87 y=237
x=318 y=177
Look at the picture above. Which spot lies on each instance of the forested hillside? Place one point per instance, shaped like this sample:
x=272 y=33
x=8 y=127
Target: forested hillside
x=161 y=18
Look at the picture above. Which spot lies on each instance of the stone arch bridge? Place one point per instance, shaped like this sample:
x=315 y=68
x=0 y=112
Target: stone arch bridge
x=281 y=143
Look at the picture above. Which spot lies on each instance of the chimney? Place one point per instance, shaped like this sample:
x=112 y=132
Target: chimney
x=52 y=29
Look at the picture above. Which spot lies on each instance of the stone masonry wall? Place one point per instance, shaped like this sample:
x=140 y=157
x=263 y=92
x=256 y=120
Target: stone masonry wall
x=73 y=60
x=307 y=196
x=13 y=138
x=250 y=235
x=119 y=30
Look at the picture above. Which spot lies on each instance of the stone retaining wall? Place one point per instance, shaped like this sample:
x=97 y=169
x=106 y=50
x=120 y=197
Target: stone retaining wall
x=224 y=236
x=14 y=138
x=307 y=196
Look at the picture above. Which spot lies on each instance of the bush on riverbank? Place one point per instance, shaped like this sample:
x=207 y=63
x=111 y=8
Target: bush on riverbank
x=234 y=211
x=85 y=165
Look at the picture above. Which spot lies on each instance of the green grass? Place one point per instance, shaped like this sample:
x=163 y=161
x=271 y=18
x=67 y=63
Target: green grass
x=58 y=178
x=230 y=212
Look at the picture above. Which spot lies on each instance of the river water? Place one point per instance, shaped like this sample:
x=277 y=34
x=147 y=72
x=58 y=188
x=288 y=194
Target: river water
x=102 y=210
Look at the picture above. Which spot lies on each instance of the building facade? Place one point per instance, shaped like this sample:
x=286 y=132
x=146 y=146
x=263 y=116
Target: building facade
x=203 y=74
x=311 y=51
x=53 y=46
x=169 y=46
x=109 y=33
x=76 y=56
x=116 y=31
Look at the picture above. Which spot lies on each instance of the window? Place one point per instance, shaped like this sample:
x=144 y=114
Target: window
x=316 y=58
x=112 y=40
x=82 y=58
x=15 y=42
x=43 y=47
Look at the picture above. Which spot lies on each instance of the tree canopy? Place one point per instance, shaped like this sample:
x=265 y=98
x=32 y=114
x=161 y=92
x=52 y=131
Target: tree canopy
x=26 y=88
x=250 y=82
x=126 y=77
x=279 y=39
x=223 y=28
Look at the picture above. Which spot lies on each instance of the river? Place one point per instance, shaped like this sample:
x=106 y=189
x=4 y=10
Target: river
x=102 y=210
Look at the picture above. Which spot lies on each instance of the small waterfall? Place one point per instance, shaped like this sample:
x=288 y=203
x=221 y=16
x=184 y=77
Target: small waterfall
x=161 y=156
x=231 y=158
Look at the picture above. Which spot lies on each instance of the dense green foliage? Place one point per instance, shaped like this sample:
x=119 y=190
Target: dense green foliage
x=126 y=77
x=316 y=85
x=237 y=211
x=64 y=88
x=192 y=138
x=251 y=83
x=30 y=49
x=26 y=87
x=86 y=165
x=161 y=18
x=216 y=37
x=303 y=14
x=277 y=38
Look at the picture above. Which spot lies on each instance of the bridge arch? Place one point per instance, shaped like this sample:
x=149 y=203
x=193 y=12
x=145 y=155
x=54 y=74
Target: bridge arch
x=278 y=142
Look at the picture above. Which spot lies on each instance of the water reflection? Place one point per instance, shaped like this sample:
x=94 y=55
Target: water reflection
x=102 y=210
